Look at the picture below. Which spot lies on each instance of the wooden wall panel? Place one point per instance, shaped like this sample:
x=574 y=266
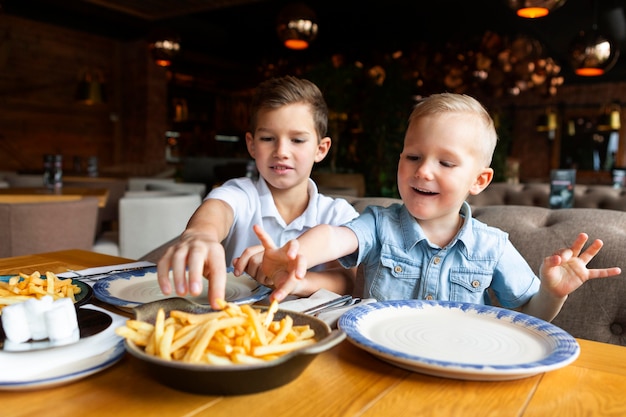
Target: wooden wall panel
x=40 y=67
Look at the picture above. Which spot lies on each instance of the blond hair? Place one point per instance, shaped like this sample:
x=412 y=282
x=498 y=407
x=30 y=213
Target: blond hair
x=461 y=103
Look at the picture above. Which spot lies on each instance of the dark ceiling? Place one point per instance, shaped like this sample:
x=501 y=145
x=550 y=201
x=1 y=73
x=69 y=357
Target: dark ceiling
x=242 y=32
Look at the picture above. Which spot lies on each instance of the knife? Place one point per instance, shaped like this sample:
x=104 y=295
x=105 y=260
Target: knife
x=80 y=276
x=332 y=303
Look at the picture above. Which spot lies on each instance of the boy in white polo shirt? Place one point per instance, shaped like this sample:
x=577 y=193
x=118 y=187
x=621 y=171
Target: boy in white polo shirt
x=287 y=137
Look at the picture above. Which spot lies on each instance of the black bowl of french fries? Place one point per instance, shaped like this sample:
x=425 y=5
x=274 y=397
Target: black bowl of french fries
x=240 y=349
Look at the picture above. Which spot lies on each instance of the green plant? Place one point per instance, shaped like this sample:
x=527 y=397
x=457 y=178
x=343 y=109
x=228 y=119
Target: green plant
x=376 y=102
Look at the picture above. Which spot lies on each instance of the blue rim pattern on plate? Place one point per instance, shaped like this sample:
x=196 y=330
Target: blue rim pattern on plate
x=102 y=292
x=110 y=357
x=565 y=349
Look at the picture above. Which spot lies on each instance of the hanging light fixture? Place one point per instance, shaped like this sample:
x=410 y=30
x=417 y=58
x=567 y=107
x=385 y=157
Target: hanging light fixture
x=164 y=47
x=296 y=26
x=532 y=9
x=91 y=89
x=592 y=53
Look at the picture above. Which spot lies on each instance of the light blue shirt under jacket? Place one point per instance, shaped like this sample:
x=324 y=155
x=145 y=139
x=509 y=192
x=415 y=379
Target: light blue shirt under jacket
x=400 y=263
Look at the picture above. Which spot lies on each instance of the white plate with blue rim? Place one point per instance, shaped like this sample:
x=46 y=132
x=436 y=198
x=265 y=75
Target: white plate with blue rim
x=130 y=289
x=46 y=368
x=459 y=340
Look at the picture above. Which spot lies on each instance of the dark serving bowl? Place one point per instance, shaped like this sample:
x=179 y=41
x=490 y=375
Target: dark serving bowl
x=231 y=379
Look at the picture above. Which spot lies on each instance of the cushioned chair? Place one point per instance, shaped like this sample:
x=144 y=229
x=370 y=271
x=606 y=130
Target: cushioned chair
x=141 y=183
x=27 y=228
x=179 y=187
x=340 y=184
x=24 y=180
x=4 y=178
x=108 y=217
x=147 y=220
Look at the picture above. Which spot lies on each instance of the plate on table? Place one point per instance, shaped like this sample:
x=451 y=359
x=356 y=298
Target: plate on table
x=81 y=298
x=133 y=288
x=90 y=323
x=47 y=368
x=459 y=340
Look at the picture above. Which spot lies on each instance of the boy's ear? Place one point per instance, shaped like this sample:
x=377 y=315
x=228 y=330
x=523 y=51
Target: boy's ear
x=250 y=144
x=482 y=181
x=322 y=148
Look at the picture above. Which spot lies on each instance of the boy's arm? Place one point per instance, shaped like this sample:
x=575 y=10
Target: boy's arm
x=199 y=253
x=333 y=277
x=562 y=273
x=286 y=268
x=544 y=305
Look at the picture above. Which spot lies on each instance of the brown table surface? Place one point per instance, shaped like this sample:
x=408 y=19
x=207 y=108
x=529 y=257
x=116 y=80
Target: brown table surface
x=37 y=194
x=344 y=381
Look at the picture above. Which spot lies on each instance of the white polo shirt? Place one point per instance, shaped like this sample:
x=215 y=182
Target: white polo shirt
x=252 y=203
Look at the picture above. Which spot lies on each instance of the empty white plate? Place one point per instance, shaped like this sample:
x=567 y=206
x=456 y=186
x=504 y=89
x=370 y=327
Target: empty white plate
x=459 y=340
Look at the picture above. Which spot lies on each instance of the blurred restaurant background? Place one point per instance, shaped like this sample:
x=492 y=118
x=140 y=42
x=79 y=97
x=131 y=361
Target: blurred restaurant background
x=142 y=87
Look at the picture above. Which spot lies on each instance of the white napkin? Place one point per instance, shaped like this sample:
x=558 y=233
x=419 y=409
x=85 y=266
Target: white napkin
x=321 y=296
x=104 y=270
x=25 y=366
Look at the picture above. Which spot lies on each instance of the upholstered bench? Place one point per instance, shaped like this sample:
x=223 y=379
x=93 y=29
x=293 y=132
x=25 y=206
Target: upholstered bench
x=538 y=194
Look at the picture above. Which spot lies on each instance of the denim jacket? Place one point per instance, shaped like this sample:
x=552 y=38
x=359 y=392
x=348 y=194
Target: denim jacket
x=400 y=263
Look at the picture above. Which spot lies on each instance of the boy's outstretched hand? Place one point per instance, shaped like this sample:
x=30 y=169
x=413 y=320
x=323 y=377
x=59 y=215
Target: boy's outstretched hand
x=566 y=270
x=282 y=268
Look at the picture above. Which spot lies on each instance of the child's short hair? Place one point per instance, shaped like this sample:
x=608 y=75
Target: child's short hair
x=277 y=92
x=460 y=103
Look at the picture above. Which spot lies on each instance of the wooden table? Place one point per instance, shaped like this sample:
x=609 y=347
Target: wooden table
x=38 y=194
x=345 y=381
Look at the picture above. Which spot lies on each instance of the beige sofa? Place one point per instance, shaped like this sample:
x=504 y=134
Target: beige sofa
x=538 y=194
x=597 y=310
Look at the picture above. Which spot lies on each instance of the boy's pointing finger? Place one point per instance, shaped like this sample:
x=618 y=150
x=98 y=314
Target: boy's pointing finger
x=265 y=239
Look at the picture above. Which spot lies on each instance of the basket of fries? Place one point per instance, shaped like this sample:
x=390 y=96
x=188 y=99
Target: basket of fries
x=240 y=349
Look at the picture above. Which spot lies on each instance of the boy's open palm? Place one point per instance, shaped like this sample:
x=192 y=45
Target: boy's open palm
x=566 y=270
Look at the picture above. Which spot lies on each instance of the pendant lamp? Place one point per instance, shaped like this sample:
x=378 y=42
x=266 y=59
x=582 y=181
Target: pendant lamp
x=164 y=47
x=593 y=53
x=532 y=9
x=296 y=26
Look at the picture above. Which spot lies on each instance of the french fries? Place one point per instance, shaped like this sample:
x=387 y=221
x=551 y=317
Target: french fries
x=233 y=335
x=22 y=287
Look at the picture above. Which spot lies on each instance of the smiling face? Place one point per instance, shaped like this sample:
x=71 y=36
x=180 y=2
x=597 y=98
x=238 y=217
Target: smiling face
x=442 y=161
x=285 y=145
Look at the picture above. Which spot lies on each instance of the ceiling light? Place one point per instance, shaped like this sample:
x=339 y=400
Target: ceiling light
x=532 y=9
x=592 y=53
x=296 y=26
x=164 y=47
